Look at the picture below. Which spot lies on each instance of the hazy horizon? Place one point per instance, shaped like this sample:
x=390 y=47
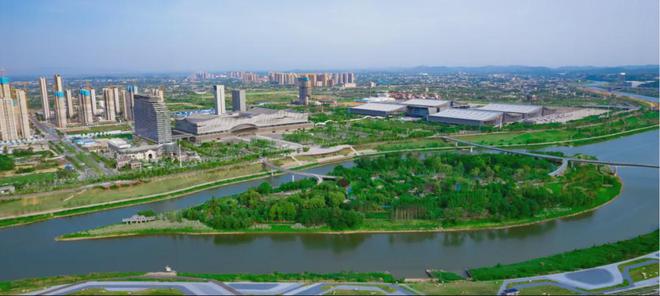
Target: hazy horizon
x=109 y=37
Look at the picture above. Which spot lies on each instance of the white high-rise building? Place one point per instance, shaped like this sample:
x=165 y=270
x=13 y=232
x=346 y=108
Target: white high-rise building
x=109 y=104
x=22 y=118
x=115 y=95
x=69 y=104
x=219 y=95
x=85 y=104
x=43 y=86
x=60 y=102
x=8 y=119
x=93 y=93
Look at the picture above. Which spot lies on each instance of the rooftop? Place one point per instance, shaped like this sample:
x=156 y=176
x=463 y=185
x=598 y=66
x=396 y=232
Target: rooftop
x=425 y=103
x=511 y=108
x=380 y=107
x=468 y=114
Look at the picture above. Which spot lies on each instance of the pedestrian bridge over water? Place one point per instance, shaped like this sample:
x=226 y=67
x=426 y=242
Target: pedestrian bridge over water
x=319 y=178
x=564 y=160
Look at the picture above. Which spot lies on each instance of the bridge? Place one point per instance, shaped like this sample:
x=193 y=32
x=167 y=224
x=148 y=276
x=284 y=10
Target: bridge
x=564 y=160
x=319 y=178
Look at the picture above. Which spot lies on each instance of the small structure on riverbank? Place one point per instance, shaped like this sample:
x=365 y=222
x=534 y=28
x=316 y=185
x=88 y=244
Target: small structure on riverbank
x=137 y=219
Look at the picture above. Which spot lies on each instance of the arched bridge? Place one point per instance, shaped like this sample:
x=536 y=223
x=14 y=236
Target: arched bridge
x=564 y=160
x=319 y=178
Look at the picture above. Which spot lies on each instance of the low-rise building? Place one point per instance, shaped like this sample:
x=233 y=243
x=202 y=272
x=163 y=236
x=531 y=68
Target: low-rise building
x=513 y=112
x=467 y=117
x=126 y=155
x=378 y=109
x=425 y=107
x=202 y=128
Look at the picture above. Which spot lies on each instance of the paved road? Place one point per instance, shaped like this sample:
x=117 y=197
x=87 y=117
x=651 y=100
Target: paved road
x=50 y=133
x=582 y=281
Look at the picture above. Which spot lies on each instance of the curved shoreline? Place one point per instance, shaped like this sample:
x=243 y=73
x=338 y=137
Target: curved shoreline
x=349 y=232
x=86 y=209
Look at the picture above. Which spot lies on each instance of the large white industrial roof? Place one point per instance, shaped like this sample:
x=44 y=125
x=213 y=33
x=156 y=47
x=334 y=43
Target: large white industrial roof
x=425 y=103
x=467 y=114
x=510 y=108
x=380 y=107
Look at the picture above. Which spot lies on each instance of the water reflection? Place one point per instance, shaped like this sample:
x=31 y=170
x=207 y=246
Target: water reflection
x=338 y=243
x=231 y=239
x=417 y=237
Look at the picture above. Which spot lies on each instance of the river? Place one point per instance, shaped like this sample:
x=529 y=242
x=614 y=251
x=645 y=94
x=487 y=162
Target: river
x=31 y=251
x=600 y=86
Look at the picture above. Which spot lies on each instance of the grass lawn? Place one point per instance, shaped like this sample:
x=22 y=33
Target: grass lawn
x=458 y=288
x=645 y=272
x=573 y=260
x=154 y=227
x=354 y=292
x=546 y=290
x=67 y=199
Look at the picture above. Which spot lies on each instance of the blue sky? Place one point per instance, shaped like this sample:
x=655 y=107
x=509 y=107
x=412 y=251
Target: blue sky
x=86 y=37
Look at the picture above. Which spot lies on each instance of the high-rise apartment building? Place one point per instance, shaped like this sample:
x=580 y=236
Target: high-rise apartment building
x=238 y=100
x=93 y=95
x=303 y=90
x=219 y=95
x=130 y=101
x=60 y=102
x=69 y=104
x=8 y=119
x=22 y=116
x=85 y=113
x=117 y=103
x=14 y=121
x=152 y=120
x=43 y=87
x=5 y=88
x=109 y=102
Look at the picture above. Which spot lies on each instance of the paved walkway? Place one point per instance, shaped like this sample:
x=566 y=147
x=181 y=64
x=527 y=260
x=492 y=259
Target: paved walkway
x=599 y=278
x=229 y=288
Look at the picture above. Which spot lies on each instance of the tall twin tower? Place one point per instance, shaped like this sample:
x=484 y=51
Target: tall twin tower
x=237 y=100
x=117 y=103
x=14 y=121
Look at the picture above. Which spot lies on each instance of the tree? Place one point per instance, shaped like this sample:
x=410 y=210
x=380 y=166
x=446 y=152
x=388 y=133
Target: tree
x=6 y=163
x=334 y=199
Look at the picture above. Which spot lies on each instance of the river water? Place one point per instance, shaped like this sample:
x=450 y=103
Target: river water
x=31 y=251
x=599 y=86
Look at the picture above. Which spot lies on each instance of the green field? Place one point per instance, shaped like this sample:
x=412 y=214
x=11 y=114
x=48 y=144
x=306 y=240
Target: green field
x=574 y=260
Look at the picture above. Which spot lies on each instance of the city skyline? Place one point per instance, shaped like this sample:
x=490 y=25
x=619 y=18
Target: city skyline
x=142 y=37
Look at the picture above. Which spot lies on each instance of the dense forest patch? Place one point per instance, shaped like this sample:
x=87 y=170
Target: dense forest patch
x=444 y=189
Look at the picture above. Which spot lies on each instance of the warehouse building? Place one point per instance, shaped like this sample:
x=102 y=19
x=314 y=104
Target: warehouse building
x=378 y=109
x=425 y=107
x=514 y=112
x=467 y=117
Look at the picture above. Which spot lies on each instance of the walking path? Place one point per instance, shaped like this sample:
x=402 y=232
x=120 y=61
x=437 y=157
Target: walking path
x=585 y=281
x=228 y=288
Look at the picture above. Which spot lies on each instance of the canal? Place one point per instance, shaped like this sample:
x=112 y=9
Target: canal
x=31 y=251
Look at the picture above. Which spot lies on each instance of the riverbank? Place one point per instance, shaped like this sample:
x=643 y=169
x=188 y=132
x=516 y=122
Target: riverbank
x=23 y=286
x=170 y=226
x=486 y=280
x=38 y=216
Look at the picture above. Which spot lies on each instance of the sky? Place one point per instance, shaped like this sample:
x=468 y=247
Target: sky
x=127 y=36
